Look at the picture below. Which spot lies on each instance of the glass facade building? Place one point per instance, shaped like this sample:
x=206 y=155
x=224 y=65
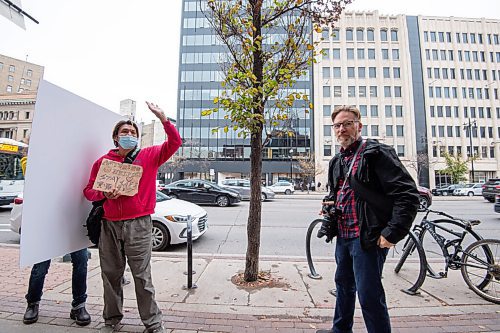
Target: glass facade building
x=216 y=154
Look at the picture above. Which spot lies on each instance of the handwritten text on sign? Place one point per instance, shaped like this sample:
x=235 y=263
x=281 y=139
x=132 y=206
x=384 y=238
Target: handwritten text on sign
x=122 y=176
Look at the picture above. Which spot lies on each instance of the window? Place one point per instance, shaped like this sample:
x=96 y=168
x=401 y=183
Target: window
x=10 y=78
x=435 y=54
x=362 y=91
x=373 y=91
x=327 y=130
x=370 y=35
x=350 y=53
x=337 y=91
x=326 y=91
x=374 y=110
x=443 y=54
x=433 y=36
x=371 y=53
x=450 y=55
x=383 y=35
x=337 y=72
x=394 y=35
x=9 y=89
x=400 y=150
x=336 y=53
x=399 y=131
x=436 y=73
x=359 y=34
x=372 y=72
x=326 y=54
x=27 y=115
x=397 y=91
x=385 y=54
x=388 y=111
x=351 y=91
x=349 y=34
x=399 y=111
x=327 y=110
x=429 y=72
x=361 y=72
x=350 y=72
x=389 y=130
x=12 y=68
x=363 y=110
x=325 y=33
x=426 y=36
x=374 y=130
x=396 y=72
x=387 y=91
x=326 y=72
x=464 y=38
x=336 y=34
x=449 y=131
x=441 y=37
x=386 y=72
x=395 y=54
x=327 y=150
x=29 y=73
x=361 y=53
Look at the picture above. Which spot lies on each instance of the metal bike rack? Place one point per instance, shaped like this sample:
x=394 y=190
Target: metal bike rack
x=313 y=274
x=190 y=272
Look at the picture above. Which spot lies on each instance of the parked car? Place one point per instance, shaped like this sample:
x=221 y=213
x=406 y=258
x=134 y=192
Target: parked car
x=469 y=190
x=169 y=220
x=282 y=187
x=425 y=197
x=201 y=192
x=497 y=203
x=490 y=189
x=446 y=190
x=243 y=188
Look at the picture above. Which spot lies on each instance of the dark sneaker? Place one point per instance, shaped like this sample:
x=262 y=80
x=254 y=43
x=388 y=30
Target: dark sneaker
x=31 y=314
x=155 y=330
x=81 y=316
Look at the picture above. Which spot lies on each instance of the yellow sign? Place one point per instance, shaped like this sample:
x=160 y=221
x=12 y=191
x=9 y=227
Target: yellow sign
x=121 y=176
x=9 y=148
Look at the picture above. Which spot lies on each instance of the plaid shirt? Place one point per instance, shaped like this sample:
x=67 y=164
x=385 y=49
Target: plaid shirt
x=348 y=223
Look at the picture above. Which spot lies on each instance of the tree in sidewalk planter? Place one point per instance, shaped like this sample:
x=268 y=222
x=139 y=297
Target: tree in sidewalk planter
x=456 y=168
x=309 y=170
x=269 y=45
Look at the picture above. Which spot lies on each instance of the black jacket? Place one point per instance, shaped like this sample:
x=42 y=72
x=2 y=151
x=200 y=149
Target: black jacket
x=386 y=195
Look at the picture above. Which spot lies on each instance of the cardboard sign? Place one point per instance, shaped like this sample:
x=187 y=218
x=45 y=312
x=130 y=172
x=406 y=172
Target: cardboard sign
x=121 y=176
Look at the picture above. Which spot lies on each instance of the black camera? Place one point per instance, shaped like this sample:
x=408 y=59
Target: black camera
x=329 y=226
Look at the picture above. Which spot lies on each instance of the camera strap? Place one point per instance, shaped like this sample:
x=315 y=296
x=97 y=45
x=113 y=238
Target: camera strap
x=348 y=174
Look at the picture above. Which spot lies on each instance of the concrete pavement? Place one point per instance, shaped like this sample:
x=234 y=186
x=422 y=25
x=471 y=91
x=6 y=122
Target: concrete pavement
x=296 y=304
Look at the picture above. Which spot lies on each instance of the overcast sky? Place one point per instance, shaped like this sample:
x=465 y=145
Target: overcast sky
x=109 y=50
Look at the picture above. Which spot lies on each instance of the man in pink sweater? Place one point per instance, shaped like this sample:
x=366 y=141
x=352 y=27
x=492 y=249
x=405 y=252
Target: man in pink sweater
x=126 y=227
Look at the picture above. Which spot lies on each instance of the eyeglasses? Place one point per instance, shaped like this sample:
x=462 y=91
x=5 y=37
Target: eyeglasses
x=346 y=124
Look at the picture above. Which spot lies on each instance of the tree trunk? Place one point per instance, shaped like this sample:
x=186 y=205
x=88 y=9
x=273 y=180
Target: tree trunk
x=254 y=214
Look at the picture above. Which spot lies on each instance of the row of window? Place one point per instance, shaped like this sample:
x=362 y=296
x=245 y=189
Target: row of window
x=463 y=37
x=26 y=82
x=390 y=110
x=372 y=130
x=294 y=113
x=360 y=54
x=361 y=34
x=472 y=112
x=452 y=92
x=13 y=115
x=465 y=74
x=210 y=94
x=389 y=91
x=468 y=56
x=207 y=133
x=12 y=69
x=458 y=149
x=361 y=72
x=454 y=131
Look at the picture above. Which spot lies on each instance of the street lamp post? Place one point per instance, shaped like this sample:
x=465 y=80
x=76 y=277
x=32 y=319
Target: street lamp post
x=469 y=127
x=291 y=166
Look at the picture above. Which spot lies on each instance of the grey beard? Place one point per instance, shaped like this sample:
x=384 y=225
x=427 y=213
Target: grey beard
x=347 y=142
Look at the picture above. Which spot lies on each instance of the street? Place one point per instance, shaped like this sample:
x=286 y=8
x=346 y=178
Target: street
x=284 y=225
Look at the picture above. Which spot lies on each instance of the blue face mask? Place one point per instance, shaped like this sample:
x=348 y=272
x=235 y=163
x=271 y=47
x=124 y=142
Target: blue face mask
x=127 y=141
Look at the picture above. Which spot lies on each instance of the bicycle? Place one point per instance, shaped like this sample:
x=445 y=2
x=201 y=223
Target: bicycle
x=429 y=234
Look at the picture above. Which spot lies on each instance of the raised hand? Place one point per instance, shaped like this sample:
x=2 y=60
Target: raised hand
x=157 y=111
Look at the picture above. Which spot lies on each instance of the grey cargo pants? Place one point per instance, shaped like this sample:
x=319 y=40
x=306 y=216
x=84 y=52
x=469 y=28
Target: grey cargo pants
x=130 y=240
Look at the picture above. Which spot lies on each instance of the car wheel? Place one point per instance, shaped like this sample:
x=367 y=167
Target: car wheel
x=287 y=192
x=222 y=201
x=160 y=236
x=470 y=194
x=424 y=203
x=173 y=196
x=445 y=193
x=490 y=199
x=263 y=197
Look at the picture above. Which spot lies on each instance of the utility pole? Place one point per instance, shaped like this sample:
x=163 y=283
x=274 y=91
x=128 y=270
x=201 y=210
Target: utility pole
x=468 y=126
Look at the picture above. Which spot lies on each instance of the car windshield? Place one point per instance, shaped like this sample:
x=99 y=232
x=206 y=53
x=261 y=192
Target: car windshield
x=162 y=197
x=469 y=185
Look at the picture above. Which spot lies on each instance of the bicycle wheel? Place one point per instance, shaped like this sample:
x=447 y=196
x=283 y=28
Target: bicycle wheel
x=436 y=261
x=481 y=262
x=414 y=254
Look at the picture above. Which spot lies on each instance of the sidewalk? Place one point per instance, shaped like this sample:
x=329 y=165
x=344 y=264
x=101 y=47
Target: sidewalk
x=299 y=304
